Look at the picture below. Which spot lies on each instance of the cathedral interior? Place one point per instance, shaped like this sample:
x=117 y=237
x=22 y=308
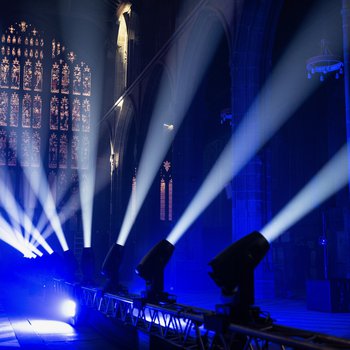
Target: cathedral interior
x=144 y=143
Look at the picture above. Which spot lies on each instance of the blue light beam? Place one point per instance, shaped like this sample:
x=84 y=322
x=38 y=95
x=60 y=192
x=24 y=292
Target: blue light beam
x=330 y=179
x=276 y=102
x=198 y=42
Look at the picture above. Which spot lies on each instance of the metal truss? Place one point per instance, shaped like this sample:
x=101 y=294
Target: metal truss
x=175 y=323
x=194 y=328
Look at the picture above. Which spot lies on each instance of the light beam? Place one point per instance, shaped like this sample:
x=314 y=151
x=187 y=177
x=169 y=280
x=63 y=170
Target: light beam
x=330 y=179
x=198 y=42
x=283 y=97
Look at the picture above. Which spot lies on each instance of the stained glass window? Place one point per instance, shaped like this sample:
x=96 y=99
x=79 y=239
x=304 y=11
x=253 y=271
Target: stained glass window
x=63 y=152
x=75 y=191
x=62 y=184
x=166 y=192
x=22 y=104
x=4 y=103
x=27 y=75
x=14 y=110
x=76 y=115
x=75 y=148
x=170 y=200
x=4 y=73
x=162 y=200
x=52 y=179
x=3 y=141
x=15 y=73
x=85 y=115
x=37 y=111
x=55 y=78
x=26 y=111
x=77 y=80
x=25 y=149
x=54 y=107
x=36 y=149
x=86 y=81
x=65 y=79
x=53 y=149
x=84 y=152
x=12 y=151
x=64 y=114
x=38 y=74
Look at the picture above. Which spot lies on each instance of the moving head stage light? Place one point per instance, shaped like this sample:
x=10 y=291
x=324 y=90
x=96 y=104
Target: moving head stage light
x=88 y=265
x=110 y=268
x=151 y=269
x=233 y=272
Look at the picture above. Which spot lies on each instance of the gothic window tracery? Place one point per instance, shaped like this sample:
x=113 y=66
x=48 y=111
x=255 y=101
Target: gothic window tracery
x=77 y=80
x=53 y=149
x=27 y=65
x=65 y=79
x=85 y=115
x=76 y=114
x=3 y=146
x=36 y=149
x=26 y=111
x=55 y=76
x=64 y=114
x=62 y=183
x=63 y=152
x=38 y=74
x=12 y=151
x=54 y=107
x=4 y=73
x=15 y=74
x=25 y=149
x=3 y=108
x=37 y=112
x=84 y=152
x=86 y=81
x=14 y=110
x=75 y=148
x=27 y=75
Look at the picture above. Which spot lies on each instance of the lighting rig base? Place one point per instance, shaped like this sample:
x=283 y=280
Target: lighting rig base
x=229 y=313
x=155 y=298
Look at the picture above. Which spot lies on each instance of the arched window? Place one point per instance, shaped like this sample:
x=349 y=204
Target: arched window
x=29 y=60
x=122 y=48
x=166 y=192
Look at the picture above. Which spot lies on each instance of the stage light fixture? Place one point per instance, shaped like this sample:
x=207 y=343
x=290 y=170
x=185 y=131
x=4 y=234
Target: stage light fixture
x=88 y=266
x=233 y=272
x=69 y=266
x=69 y=308
x=110 y=268
x=151 y=269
